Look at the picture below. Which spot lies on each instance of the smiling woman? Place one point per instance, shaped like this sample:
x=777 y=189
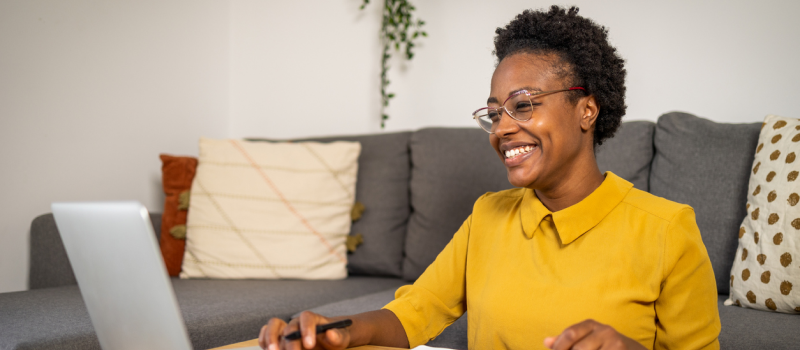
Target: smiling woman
x=572 y=258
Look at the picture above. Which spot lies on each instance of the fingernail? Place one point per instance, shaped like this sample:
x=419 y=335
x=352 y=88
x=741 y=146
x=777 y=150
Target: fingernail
x=310 y=341
x=273 y=347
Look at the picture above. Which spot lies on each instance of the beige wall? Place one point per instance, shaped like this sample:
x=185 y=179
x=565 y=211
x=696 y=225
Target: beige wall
x=83 y=84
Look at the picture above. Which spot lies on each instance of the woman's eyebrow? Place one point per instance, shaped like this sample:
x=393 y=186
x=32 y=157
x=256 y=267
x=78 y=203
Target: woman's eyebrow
x=526 y=88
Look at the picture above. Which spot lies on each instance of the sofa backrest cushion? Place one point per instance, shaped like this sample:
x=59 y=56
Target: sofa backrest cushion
x=49 y=264
x=452 y=167
x=629 y=153
x=382 y=186
x=707 y=166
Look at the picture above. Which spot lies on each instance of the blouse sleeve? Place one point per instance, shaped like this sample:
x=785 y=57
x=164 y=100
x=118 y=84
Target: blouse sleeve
x=686 y=309
x=438 y=297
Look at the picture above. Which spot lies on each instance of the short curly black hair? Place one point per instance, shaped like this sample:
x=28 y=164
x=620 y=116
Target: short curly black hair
x=582 y=45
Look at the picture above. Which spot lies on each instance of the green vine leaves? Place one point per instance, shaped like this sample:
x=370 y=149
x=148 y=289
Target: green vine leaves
x=399 y=28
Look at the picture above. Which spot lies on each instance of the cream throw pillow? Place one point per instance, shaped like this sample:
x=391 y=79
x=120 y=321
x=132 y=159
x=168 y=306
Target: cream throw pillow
x=766 y=269
x=270 y=210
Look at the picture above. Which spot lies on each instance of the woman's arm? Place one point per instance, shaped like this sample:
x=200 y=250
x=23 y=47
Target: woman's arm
x=440 y=293
x=687 y=311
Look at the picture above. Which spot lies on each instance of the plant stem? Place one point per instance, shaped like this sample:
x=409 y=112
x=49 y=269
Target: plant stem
x=395 y=25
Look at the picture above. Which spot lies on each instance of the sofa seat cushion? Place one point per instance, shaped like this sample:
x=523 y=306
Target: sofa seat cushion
x=755 y=329
x=453 y=337
x=216 y=312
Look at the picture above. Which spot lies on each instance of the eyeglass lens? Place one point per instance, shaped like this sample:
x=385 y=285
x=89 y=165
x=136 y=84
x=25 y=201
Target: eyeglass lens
x=519 y=107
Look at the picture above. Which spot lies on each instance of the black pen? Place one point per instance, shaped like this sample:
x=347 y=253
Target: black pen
x=321 y=328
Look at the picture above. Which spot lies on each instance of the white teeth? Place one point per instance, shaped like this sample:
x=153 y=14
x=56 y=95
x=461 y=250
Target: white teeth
x=517 y=151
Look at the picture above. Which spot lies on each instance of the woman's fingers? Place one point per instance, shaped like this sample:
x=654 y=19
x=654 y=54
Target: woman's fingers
x=269 y=337
x=273 y=335
x=591 y=335
x=570 y=336
x=308 y=328
x=291 y=327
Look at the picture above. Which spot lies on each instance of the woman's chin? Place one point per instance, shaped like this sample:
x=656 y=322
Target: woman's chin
x=519 y=181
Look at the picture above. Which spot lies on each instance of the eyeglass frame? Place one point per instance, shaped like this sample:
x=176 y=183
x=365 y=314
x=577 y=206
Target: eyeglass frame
x=530 y=95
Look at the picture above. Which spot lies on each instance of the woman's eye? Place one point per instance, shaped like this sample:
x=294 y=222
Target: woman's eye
x=494 y=116
x=523 y=107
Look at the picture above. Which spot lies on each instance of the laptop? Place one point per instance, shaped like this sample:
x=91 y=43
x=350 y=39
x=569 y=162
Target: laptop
x=121 y=275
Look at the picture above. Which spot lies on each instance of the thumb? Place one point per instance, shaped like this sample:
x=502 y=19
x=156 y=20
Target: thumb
x=549 y=341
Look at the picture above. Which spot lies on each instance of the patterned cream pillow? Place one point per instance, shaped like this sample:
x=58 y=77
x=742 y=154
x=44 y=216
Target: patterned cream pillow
x=270 y=210
x=766 y=269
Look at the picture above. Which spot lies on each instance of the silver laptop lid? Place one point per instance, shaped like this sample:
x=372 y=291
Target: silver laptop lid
x=121 y=275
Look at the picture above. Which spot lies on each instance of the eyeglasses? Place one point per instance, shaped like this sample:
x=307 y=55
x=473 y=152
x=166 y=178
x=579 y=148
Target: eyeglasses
x=518 y=106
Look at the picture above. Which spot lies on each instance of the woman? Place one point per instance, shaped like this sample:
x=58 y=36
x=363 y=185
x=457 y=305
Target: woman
x=573 y=258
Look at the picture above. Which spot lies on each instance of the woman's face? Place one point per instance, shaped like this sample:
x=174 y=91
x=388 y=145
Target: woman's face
x=554 y=137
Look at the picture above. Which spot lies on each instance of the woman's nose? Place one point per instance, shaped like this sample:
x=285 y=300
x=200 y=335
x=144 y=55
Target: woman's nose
x=506 y=125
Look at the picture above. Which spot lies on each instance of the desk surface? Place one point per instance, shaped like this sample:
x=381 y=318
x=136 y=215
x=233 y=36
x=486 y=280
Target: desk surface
x=254 y=342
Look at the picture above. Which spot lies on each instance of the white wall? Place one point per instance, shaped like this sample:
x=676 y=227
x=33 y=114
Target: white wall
x=90 y=93
x=729 y=61
x=83 y=83
x=309 y=68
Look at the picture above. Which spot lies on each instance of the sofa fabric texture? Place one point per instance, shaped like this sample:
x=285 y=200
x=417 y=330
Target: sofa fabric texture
x=49 y=264
x=450 y=169
x=707 y=166
x=216 y=312
x=629 y=153
x=748 y=329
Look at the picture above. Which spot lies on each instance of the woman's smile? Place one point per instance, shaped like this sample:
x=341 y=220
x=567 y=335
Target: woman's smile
x=516 y=153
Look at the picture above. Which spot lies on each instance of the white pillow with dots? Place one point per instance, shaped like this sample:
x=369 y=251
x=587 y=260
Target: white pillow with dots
x=766 y=270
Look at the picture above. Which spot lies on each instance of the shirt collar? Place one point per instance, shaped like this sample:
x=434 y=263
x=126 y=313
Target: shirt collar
x=574 y=221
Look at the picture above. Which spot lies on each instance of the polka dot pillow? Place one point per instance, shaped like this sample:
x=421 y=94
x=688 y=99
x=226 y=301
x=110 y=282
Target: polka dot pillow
x=766 y=269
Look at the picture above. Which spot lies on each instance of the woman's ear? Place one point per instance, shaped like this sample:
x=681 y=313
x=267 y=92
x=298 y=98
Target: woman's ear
x=590 y=110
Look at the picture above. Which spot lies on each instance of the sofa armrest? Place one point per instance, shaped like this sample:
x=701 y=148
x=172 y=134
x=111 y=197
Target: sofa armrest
x=49 y=264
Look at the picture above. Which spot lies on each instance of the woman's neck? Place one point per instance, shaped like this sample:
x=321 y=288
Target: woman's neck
x=572 y=188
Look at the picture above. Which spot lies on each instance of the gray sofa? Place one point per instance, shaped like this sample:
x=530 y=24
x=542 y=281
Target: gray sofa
x=417 y=188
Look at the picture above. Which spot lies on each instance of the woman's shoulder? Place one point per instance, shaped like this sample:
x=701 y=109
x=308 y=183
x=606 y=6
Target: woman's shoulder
x=501 y=200
x=655 y=205
x=513 y=194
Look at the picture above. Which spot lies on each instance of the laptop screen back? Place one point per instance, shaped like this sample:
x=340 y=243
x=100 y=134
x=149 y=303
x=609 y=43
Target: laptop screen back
x=121 y=275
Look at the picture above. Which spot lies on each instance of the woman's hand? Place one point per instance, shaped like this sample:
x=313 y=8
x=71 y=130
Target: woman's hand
x=591 y=335
x=272 y=335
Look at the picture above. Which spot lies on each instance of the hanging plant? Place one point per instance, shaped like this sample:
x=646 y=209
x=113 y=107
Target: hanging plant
x=399 y=29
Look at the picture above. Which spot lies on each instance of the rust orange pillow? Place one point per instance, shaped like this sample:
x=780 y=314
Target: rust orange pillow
x=177 y=174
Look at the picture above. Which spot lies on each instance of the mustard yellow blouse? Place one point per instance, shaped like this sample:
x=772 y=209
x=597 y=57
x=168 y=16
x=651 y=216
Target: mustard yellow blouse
x=621 y=256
